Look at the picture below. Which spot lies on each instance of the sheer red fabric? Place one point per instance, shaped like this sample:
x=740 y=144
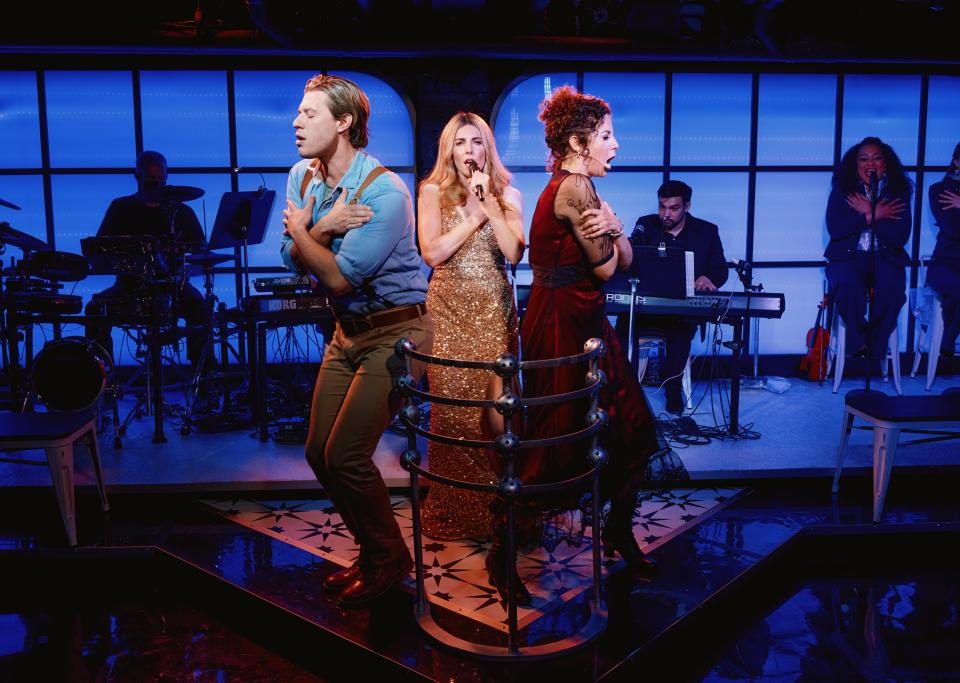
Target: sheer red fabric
x=558 y=321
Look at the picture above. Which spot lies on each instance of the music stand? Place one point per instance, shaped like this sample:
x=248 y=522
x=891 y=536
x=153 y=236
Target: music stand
x=242 y=220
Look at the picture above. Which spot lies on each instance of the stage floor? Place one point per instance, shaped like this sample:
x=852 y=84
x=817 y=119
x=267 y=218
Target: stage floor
x=721 y=573
x=781 y=583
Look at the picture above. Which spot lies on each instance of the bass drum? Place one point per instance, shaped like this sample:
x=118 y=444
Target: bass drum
x=71 y=373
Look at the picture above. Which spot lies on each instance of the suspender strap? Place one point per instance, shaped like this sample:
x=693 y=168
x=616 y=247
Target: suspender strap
x=315 y=168
x=373 y=175
x=307 y=177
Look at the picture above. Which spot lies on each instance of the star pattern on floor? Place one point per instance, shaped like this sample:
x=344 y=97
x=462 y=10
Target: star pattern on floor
x=454 y=572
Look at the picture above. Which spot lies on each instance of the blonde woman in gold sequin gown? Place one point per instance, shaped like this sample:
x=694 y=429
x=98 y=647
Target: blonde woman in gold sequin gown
x=468 y=243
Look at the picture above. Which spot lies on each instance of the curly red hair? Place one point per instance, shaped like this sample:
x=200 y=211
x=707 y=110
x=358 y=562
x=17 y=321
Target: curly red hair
x=570 y=113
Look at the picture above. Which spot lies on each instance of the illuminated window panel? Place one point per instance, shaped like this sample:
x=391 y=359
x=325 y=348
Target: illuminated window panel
x=90 y=119
x=630 y=195
x=943 y=103
x=213 y=185
x=530 y=185
x=928 y=226
x=883 y=106
x=391 y=128
x=81 y=201
x=721 y=198
x=789 y=218
x=518 y=130
x=19 y=120
x=26 y=191
x=267 y=103
x=636 y=102
x=185 y=116
x=795 y=123
x=710 y=119
x=803 y=289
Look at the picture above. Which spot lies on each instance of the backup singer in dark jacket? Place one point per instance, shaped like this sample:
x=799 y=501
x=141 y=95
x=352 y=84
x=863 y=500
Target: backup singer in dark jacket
x=944 y=271
x=849 y=261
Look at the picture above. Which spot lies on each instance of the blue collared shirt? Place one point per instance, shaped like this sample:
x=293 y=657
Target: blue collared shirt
x=380 y=258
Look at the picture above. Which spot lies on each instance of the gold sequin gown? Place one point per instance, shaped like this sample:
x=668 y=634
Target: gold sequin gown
x=475 y=318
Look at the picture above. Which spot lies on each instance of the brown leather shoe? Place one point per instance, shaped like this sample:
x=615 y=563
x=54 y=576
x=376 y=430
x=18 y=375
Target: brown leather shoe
x=342 y=578
x=375 y=582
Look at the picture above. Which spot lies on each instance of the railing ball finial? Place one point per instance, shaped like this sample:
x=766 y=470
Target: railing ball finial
x=411 y=413
x=599 y=377
x=598 y=415
x=599 y=456
x=506 y=444
x=402 y=344
x=594 y=343
x=509 y=487
x=508 y=403
x=409 y=459
x=506 y=365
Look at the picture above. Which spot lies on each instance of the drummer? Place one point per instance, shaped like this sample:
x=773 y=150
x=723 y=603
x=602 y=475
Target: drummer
x=152 y=211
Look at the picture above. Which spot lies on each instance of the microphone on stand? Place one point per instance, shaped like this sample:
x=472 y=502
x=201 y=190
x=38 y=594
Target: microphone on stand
x=473 y=168
x=873 y=186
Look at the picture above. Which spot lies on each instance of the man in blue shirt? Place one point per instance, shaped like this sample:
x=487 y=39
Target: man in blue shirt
x=366 y=257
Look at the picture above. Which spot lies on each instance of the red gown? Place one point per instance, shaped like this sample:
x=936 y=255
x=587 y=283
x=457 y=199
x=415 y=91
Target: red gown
x=566 y=308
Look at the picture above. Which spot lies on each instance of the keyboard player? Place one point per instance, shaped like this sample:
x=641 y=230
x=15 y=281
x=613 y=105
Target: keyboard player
x=674 y=226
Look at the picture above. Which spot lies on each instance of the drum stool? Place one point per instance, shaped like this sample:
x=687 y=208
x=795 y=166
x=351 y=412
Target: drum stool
x=56 y=433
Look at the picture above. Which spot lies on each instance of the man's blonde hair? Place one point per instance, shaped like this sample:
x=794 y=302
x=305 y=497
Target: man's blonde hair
x=346 y=97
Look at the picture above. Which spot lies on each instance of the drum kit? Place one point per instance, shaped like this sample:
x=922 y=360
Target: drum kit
x=72 y=373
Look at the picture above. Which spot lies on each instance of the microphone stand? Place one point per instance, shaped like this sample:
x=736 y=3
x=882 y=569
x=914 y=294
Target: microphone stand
x=744 y=272
x=871 y=276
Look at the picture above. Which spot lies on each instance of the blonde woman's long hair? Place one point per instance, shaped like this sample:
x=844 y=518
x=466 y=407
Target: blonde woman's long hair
x=444 y=173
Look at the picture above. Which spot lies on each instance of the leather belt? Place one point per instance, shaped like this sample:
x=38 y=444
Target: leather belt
x=364 y=323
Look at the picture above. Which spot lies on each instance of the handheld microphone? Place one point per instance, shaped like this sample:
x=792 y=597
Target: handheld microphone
x=473 y=168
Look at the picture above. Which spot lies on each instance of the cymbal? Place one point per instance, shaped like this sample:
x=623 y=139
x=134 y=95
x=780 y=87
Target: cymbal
x=170 y=193
x=9 y=205
x=15 y=238
x=59 y=266
x=208 y=259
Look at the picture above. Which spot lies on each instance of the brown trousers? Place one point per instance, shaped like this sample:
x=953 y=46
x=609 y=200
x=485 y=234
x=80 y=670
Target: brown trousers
x=353 y=403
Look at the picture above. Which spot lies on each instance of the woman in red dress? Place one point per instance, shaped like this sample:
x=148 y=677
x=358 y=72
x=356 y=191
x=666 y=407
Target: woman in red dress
x=576 y=243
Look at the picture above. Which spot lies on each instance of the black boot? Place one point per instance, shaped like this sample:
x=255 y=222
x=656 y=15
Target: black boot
x=496 y=563
x=617 y=536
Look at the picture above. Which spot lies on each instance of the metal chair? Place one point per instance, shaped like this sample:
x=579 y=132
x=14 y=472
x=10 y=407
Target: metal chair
x=56 y=433
x=927 y=310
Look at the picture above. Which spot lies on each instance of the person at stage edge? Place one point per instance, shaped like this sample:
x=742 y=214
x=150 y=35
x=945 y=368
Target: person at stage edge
x=675 y=227
x=146 y=214
x=365 y=255
x=943 y=274
x=849 y=261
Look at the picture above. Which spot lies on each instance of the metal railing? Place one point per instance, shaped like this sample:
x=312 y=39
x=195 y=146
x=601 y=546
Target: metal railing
x=506 y=445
